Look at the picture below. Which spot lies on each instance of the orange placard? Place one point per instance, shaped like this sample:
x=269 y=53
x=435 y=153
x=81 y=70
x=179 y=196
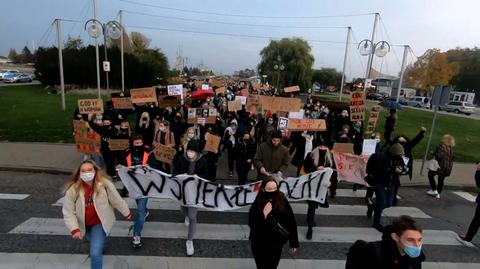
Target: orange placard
x=212 y=143
x=122 y=102
x=292 y=89
x=119 y=144
x=343 y=147
x=143 y=95
x=164 y=153
x=306 y=125
x=90 y=106
x=87 y=140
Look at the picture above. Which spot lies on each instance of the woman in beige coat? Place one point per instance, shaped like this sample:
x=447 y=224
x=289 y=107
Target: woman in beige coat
x=88 y=208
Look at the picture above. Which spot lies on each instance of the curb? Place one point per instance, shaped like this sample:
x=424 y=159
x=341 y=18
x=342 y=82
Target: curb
x=46 y=170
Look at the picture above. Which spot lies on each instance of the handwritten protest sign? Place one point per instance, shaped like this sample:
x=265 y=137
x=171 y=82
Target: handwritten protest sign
x=118 y=144
x=212 y=143
x=296 y=115
x=372 y=121
x=343 y=148
x=164 y=153
x=90 y=106
x=169 y=101
x=143 y=95
x=282 y=123
x=175 y=89
x=122 y=102
x=234 y=105
x=357 y=99
x=369 y=146
x=253 y=104
x=306 y=124
x=194 y=191
x=275 y=104
x=292 y=89
x=194 y=114
x=86 y=140
x=351 y=168
x=357 y=113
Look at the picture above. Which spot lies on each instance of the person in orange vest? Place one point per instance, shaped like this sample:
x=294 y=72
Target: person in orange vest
x=139 y=155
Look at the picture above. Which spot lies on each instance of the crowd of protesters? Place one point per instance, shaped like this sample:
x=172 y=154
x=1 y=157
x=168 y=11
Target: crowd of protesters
x=250 y=141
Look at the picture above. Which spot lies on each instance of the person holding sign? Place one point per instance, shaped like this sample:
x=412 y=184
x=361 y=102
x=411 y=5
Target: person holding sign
x=88 y=208
x=245 y=149
x=191 y=163
x=211 y=152
x=163 y=137
x=229 y=139
x=271 y=156
x=106 y=131
x=272 y=223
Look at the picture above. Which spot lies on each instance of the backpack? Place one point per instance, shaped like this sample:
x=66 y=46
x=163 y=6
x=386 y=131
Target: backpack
x=364 y=255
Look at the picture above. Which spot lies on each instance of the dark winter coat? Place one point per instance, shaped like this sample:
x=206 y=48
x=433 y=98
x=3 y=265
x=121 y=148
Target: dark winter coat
x=106 y=133
x=408 y=148
x=273 y=159
x=381 y=167
x=381 y=255
x=444 y=155
x=245 y=150
x=262 y=229
x=182 y=164
x=298 y=145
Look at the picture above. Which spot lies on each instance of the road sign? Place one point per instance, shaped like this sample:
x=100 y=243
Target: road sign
x=106 y=66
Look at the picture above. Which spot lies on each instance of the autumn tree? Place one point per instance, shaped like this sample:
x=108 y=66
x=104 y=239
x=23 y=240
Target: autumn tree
x=431 y=69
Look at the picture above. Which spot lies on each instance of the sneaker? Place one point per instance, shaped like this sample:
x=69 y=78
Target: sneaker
x=230 y=173
x=437 y=196
x=190 y=249
x=432 y=193
x=136 y=243
x=462 y=239
x=187 y=221
x=309 y=234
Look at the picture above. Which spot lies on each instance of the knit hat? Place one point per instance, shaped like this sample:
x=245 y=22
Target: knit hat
x=193 y=145
x=396 y=150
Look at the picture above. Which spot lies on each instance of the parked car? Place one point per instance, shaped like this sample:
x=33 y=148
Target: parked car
x=375 y=96
x=17 y=77
x=5 y=72
x=419 y=101
x=458 y=107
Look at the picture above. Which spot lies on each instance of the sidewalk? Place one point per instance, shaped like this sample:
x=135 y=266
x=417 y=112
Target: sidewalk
x=64 y=159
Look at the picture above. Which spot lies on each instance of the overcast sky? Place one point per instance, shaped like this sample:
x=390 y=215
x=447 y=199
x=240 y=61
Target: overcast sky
x=223 y=47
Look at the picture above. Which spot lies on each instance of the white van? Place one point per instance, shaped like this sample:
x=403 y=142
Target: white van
x=419 y=101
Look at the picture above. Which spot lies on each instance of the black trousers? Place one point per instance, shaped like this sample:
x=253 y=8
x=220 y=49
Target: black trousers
x=242 y=171
x=109 y=159
x=396 y=186
x=312 y=206
x=474 y=225
x=266 y=256
x=231 y=159
x=431 y=179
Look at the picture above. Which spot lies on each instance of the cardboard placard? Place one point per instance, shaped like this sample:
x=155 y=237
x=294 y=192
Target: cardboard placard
x=372 y=121
x=343 y=148
x=164 y=153
x=122 y=103
x=169 y=101
x=218 y=83
x=87 y=140
x=275 y=104
x=234 y=105
x=143 y=95
x=220 y=91
x=119 y=144
x=242 y=99
x=306 y=124
x=90 y=106
x=175 y=89
x=357 y=113
x=253 y=104
x=357 y=99
x=292 y=89
x=212 y=143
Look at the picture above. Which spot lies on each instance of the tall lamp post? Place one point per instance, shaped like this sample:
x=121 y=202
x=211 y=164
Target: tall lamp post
x=279 y=69
x=367 y=48
x=111 y=29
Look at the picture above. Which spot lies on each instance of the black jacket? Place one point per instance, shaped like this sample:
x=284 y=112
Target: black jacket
x=106 y=132
x=262 y=229
x=298 y=145
x=381 y=255
x=245 y=150
x=477 y=180
x=408 y=147
x=381 y=167
x=181 y=166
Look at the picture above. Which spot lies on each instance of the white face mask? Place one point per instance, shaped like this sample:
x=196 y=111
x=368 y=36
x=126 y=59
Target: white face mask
x=87 y=176
x=191 y=154
x=190 y=135
x=162 y=129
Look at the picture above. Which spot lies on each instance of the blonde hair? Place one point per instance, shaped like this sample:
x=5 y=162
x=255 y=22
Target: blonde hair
x=448 y=140
x=185 y=139
x=126 y=123
x=76 y=181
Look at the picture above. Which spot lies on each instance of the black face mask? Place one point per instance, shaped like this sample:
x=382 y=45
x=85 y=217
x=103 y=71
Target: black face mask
x=144 y=119
x=270 y=195
x=124 y=130
x=138 y=148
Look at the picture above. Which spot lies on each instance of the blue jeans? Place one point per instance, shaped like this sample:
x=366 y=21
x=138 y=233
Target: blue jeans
x=384 y=199
x=96 y=235
x=140 y=216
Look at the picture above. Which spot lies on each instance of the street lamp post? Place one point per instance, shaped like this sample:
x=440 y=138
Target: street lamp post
x=279 y=69
x=367 y=48
x=111 y=29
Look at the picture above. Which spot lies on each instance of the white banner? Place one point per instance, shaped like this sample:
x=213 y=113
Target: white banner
x=175 y=89
x=190 y=190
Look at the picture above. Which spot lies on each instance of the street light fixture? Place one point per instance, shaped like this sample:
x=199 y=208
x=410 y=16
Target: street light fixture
x=367 y=48
x=111 y=29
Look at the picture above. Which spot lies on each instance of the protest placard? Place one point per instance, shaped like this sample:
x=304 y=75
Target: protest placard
x=119 y=144
x=90 y=106
x=175 y=89
x=205 y=87
x=343 y=147
x=357 y=113
x=282 y=123
x=357 y=99
x=306 y=124
x=164 y=153
x=194 y=114
x=143 y=95
x=122 y=102
x=296 y=115
x=242 y=99
x=212 y=143
x=234 y=105
x=253 y=104
x=292 y=89
x=275 y=104
x=372 y=121
x=351 y=168
x=86 y=140
x=369 y=146
x=169 y=101
x=218 y=83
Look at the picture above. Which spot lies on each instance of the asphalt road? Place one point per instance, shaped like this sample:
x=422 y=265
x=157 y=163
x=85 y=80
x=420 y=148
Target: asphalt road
x=447 y=215
x=35 y=82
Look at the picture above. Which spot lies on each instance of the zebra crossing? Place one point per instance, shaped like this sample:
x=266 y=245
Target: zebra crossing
x=222 y=239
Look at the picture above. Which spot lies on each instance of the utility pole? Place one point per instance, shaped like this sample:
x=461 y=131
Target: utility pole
x=96 y=50
x=370 y=56
x=121 y=51
x=347 y=45
x=60 y=61
x=402 y=71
